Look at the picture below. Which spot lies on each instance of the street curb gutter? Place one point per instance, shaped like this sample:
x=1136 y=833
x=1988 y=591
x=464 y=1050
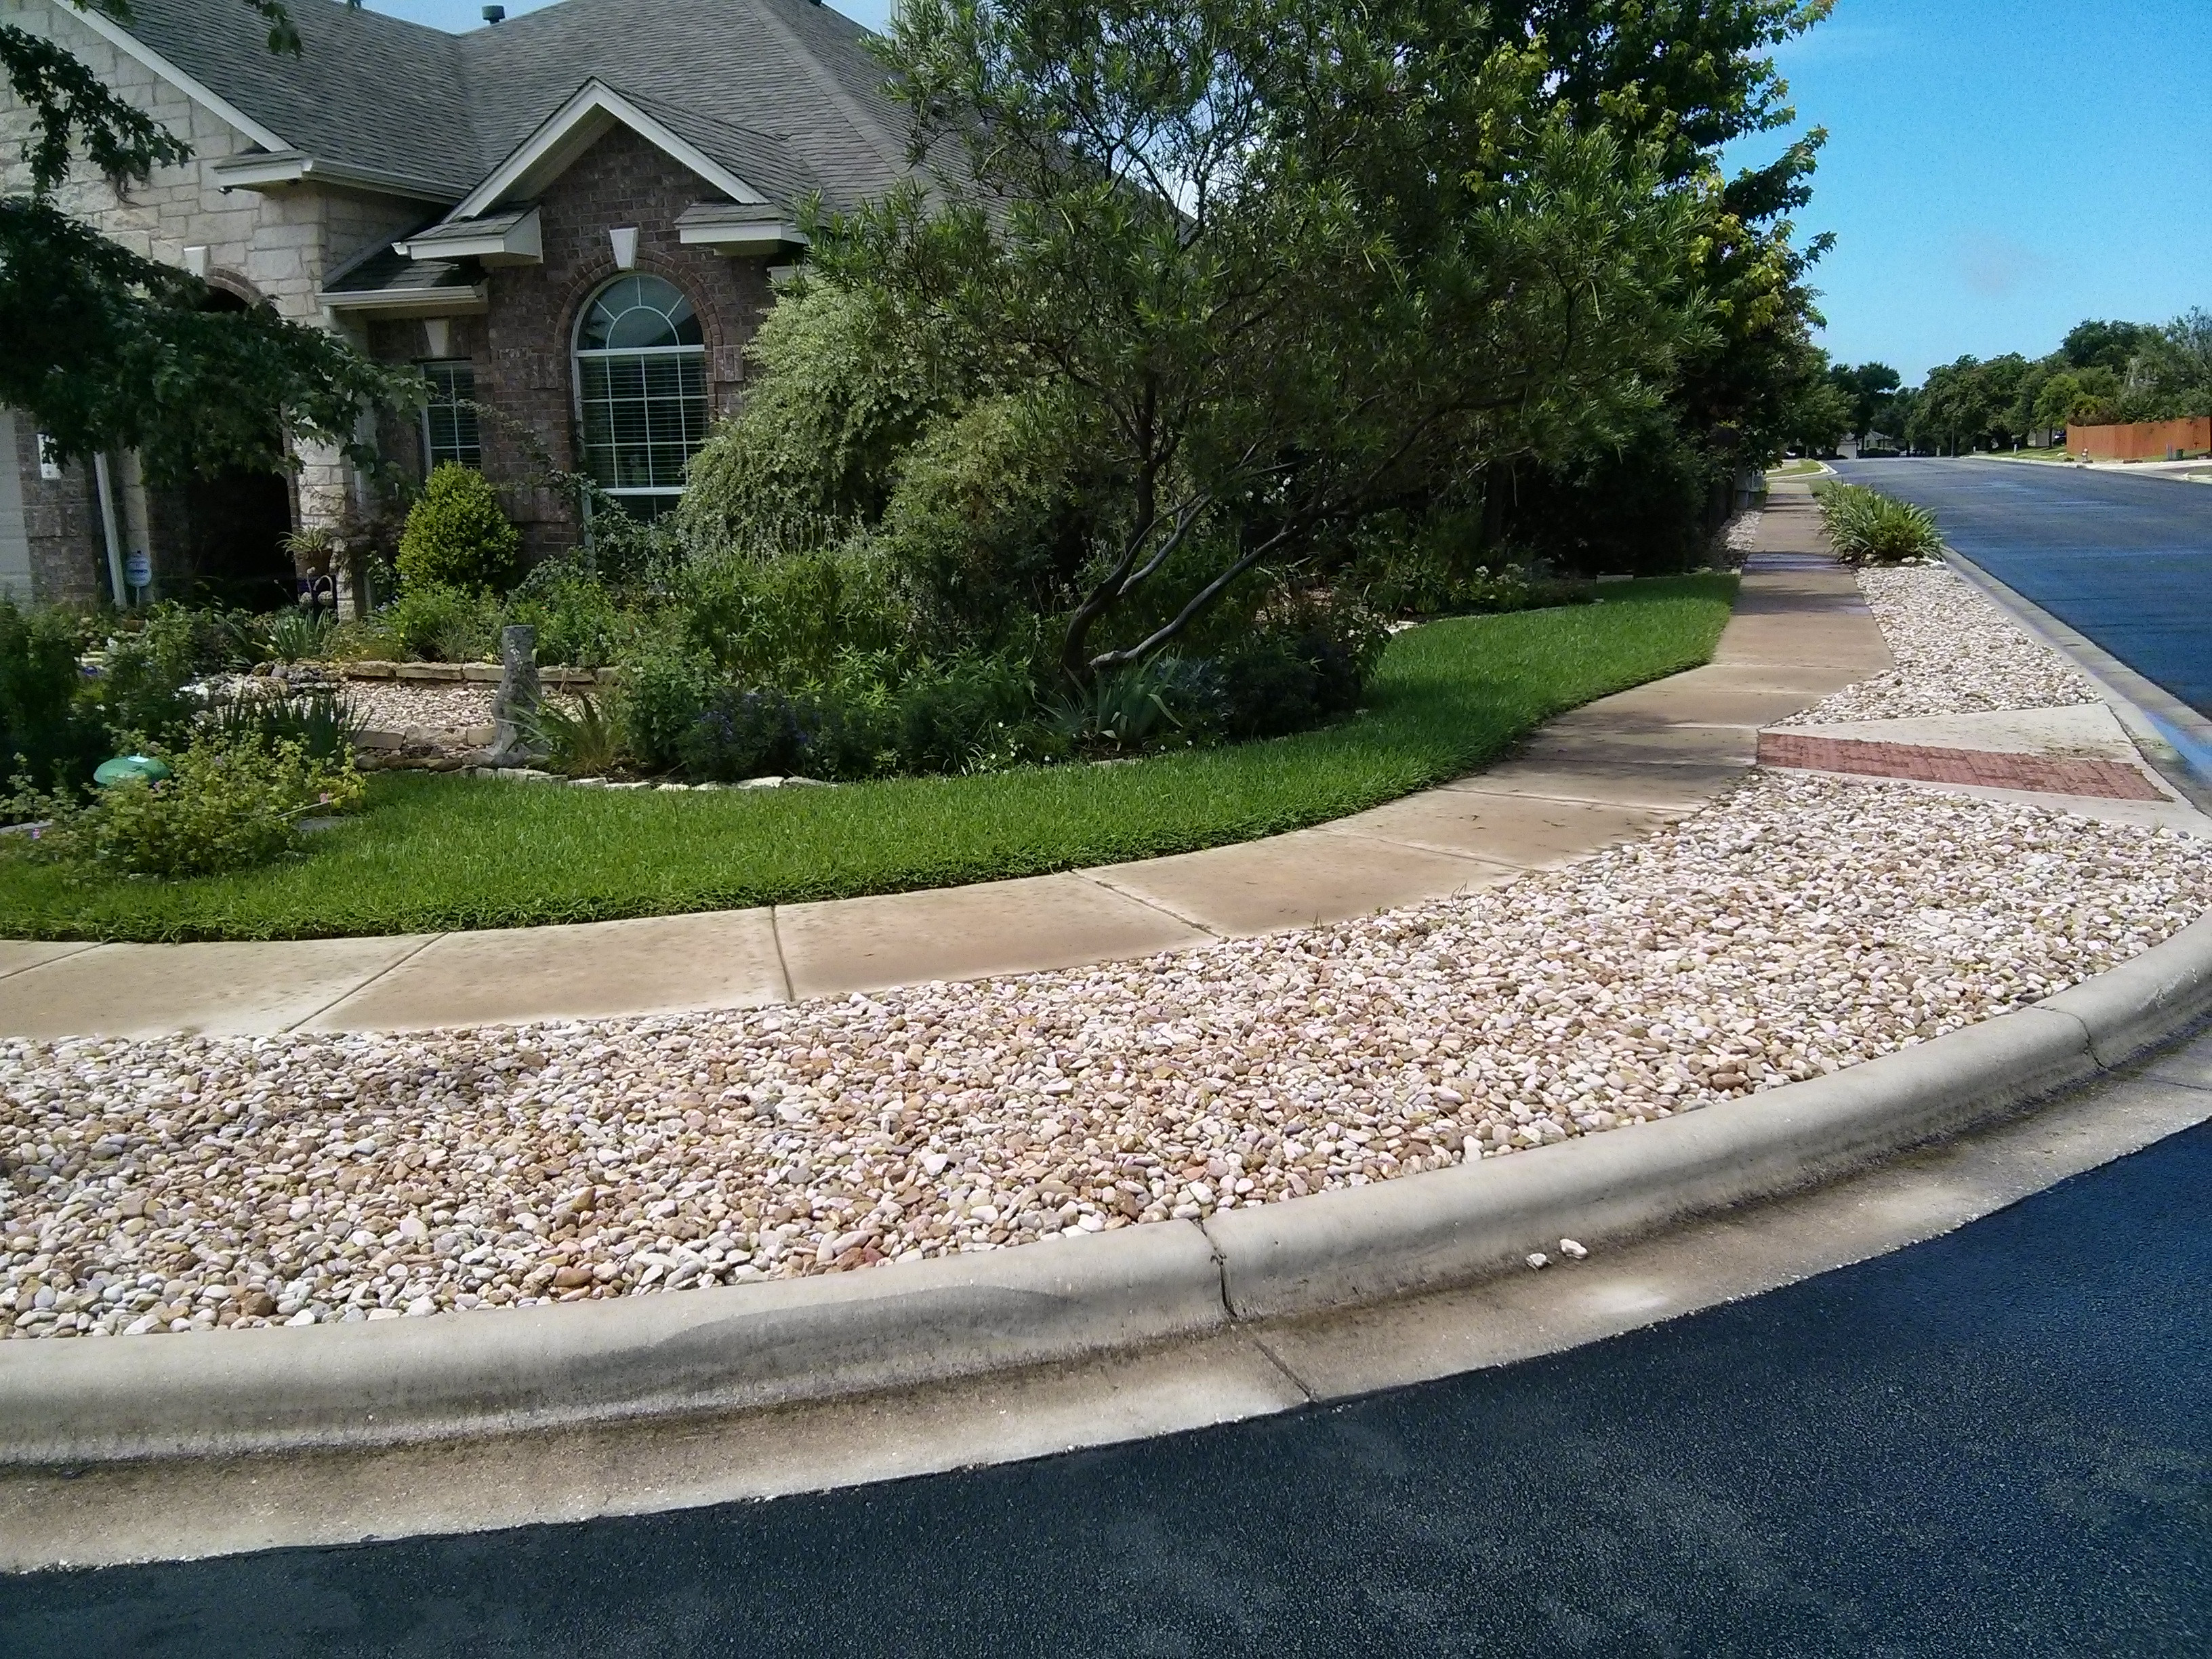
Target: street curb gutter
x=331 y=1387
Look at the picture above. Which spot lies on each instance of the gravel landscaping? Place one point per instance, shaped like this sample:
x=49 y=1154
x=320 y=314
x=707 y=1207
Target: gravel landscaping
x=1956 y=653
x=1795 y=926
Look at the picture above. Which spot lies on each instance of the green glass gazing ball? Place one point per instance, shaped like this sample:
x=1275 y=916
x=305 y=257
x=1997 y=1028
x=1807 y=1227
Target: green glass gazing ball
x=126 y=766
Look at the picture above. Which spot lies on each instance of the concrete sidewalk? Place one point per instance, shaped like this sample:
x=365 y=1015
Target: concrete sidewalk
x=1602 y=773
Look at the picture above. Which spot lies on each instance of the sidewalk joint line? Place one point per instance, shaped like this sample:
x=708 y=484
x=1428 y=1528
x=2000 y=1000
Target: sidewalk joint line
x=775 y=937
x=1167 y=910
x=1294 y=1379
x=82 y=945
x=355 y=990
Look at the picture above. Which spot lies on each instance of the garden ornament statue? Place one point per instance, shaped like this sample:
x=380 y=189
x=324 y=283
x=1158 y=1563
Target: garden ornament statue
x=515 y=740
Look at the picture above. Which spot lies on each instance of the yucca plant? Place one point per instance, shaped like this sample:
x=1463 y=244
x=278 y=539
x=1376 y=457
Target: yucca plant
x=318 y=719
x=1867 y=527
x=583 y=742
x=298 y=634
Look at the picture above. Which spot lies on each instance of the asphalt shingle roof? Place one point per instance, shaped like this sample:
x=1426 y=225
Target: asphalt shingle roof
x=785 y=94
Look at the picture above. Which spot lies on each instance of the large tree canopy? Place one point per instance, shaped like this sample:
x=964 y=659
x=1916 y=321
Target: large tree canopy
x=109 y=350
x=1253 y=272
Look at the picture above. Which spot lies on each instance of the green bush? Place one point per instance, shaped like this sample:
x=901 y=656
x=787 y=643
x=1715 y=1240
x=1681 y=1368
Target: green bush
x=439 y=624
x=839 y=390
x=46 y=735
x=791 y=619
x=138 y=695
x=1866 y=527
x=231 y=802
x=456 y=535
x=988 y=520
x=579 y=622
x=668 y=685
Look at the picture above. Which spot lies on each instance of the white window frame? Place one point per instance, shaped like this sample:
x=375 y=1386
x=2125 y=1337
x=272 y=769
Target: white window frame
x=664 y=495
x=430 y=456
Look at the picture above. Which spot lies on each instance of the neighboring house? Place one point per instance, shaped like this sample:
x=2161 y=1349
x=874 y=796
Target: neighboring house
x=568 y=218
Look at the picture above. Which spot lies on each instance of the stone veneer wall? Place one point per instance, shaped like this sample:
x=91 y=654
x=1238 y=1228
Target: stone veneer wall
x=521 y=346
x=275 y=246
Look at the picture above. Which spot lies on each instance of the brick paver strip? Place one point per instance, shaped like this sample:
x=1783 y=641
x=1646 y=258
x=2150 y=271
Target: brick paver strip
x=2044 y=775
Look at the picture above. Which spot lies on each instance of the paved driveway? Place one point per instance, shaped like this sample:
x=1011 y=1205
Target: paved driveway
x=2127 y=561
x=1998 y=1442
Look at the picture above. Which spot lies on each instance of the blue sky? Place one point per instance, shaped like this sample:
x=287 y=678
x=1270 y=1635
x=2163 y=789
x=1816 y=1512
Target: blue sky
x=1996 y=170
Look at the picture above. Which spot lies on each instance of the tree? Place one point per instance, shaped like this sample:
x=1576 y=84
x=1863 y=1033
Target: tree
x=107 y=350
x=2170 y=376
x=2110 y=346
x=1212 y=235
x=1866 y=389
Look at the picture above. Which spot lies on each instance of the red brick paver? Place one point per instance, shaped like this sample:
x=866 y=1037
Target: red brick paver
x=2045 y=775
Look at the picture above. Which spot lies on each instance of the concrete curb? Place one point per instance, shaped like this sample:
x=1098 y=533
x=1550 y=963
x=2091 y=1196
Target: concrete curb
x=341 y=1386
x=729 y=1348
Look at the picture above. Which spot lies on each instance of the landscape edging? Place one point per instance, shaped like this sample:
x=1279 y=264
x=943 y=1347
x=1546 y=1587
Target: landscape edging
x=328 y=1387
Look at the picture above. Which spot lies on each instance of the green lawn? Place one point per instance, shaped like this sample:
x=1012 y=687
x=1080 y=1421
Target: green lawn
x=438 y=852
x=1801 y=468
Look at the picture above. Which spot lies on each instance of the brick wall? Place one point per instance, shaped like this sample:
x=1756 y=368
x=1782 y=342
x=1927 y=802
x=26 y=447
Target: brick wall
x=521 y=346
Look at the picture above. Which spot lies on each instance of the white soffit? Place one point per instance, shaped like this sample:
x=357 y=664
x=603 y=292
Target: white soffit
x=723 y=227
x=116 y=35
x=574 y=128
x=505 y=239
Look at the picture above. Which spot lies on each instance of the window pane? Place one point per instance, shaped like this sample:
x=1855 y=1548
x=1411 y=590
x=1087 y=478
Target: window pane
x=449 y=419
x=643 y=417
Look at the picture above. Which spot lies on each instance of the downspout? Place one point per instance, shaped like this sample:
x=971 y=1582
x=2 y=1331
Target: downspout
x=107 y=524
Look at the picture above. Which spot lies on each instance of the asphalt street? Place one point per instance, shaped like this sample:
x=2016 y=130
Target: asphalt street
x=2127 y=561
x=1995 y=1442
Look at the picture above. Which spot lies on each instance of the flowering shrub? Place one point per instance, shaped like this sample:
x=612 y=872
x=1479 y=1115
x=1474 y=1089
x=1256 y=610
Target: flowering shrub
x=232 y=800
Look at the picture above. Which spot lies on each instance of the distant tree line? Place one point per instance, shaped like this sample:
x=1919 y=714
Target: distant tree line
x=2103 y=371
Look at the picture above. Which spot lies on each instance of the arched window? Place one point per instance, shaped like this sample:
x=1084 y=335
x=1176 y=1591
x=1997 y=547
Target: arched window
x=640 y=390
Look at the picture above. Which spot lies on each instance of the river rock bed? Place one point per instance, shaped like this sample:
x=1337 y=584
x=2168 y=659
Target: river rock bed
x=1797 y=926
x=1957 y=653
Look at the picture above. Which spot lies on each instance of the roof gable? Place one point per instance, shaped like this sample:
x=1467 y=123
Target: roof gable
x=783 y=95
x=579 y=124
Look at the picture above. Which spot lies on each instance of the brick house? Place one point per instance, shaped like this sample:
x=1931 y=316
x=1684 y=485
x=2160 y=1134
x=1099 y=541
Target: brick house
x=569 y=219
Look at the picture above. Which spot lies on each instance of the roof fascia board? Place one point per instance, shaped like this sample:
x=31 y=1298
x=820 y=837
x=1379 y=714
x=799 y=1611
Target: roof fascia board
x=120 y=38
x=574 y=128
x=249 y=171
x=522 y=243
x=720 y=235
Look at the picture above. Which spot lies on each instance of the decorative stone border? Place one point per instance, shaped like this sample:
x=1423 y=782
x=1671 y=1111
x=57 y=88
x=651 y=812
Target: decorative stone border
x=347 y=1386
x=485 y=673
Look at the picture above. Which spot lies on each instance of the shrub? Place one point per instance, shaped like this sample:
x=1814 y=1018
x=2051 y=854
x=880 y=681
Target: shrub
x=230 y=802
x=962 y=717
x=668 y=684
x=456 y=535
x=1866 y=527
x=583 y=742
x=44 y=733
x=842 y=386
x=744 y=734
x=988 y=518
x=579 y=624
x=139 y=695
x=318 y=719
x=439 y=624
x=300 y=635
x=790 y=619
x=1309 y=666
